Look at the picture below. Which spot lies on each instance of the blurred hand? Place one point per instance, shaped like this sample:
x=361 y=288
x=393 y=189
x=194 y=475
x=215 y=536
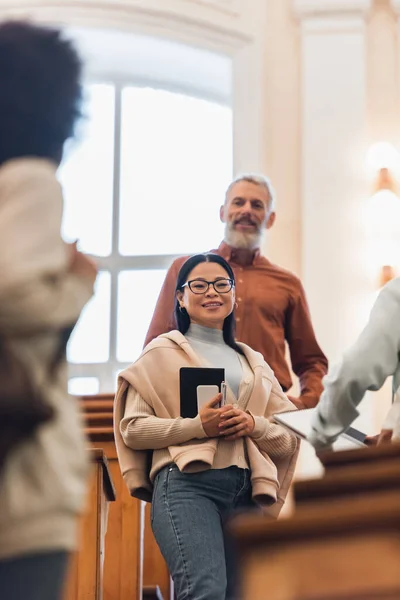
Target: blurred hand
x=236 y=423
x=384 y=437
x=82 y=265
x=322 y=452
x=72 y=249
x=210 y=416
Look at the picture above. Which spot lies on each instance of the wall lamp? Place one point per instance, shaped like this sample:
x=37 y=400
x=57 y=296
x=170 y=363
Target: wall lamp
x=384 y=210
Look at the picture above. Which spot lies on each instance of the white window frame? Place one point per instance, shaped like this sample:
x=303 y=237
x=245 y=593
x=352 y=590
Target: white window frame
x=115 y=263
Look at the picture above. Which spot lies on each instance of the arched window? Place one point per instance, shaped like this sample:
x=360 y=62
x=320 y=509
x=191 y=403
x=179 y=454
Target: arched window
x=143 y=183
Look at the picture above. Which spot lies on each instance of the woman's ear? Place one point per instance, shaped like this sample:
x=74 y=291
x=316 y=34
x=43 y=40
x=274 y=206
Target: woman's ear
x=179 y=296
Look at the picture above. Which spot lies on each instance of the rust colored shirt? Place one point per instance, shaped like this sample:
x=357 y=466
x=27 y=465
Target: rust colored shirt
x=272 y=308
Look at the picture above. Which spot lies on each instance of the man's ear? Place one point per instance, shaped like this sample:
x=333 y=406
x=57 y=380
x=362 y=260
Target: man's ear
x=270 y=220
x=222 y=213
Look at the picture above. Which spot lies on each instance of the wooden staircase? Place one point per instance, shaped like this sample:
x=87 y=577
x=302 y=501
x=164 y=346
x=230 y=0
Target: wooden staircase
x=98 y=412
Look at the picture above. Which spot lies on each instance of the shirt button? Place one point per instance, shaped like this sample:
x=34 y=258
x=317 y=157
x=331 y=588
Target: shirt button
x=240 y=280
x=239 y=299
x=237 y=319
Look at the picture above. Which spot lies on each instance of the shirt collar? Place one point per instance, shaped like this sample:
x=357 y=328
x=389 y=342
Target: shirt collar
x=228 y=253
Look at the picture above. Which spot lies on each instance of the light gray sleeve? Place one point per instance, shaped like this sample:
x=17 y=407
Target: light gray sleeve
x=364 y=367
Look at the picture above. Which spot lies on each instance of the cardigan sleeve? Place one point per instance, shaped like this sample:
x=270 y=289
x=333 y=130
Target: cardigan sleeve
x=142 y=430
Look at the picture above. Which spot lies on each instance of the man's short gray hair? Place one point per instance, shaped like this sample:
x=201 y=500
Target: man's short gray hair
x=260 y=180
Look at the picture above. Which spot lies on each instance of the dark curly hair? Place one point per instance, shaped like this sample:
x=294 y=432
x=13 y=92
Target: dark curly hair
x=40 y=91
x=182 y=317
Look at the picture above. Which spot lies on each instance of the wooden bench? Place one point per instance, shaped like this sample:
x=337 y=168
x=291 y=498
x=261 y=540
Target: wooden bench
x=343 y=541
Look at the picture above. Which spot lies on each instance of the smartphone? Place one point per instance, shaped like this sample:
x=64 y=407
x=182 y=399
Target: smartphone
x=356 y=434
x=204 y=394
x=191 y=378
x=223 y=392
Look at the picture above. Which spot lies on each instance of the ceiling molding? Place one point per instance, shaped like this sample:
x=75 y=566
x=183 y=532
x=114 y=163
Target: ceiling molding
x=319 y=8
x=124 y=15
x=230 y=7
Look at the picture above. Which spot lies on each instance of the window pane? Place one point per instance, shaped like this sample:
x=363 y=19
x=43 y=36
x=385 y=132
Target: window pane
x=137 y=295
x=90 y=340
x=176 y=162
x=87 y=174
x=83 y=386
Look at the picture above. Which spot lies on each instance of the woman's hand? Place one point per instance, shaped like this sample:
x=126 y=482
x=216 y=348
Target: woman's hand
x=235 y=423
x=211 y=417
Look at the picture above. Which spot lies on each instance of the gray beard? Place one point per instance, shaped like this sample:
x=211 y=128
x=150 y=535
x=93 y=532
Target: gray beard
x=239 y=239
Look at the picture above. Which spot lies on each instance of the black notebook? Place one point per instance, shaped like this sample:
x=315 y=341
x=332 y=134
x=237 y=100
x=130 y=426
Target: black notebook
x=190 y=378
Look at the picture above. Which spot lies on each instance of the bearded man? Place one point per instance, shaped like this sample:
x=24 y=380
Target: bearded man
x=271 y=302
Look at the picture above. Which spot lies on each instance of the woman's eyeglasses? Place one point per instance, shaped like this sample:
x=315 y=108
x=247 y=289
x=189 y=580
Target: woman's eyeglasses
x=199 y=286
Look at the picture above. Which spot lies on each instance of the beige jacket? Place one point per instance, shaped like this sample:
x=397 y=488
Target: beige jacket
x=155 y=376
x=43 y=485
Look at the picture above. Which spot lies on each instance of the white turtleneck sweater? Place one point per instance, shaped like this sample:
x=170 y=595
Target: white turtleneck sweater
x=209 y=344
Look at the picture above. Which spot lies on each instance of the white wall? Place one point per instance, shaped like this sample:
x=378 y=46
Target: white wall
x=282 y=131
x=350 y=99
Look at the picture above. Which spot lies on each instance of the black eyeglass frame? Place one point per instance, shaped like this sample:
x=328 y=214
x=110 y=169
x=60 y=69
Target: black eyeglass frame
x=188 y=283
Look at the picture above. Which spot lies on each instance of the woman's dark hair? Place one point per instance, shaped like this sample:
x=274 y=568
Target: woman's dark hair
x=182 y=317
x=40 y=91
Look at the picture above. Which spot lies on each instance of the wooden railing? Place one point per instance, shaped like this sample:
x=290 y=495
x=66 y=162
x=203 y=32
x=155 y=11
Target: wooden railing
x=343 y=541
x=133 y=565
x=85 y=577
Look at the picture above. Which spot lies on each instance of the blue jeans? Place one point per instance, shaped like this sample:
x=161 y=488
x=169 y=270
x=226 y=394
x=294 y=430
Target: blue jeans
x=33 y=576
x=188 y=516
